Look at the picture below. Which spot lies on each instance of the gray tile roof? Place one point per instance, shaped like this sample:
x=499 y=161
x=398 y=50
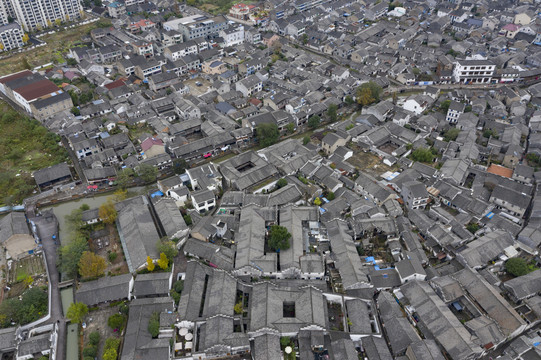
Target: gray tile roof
x=13 y=224
x=170 y=218
x=153 y=284
x=105 y=289
x=138 y=235
x=51 y=173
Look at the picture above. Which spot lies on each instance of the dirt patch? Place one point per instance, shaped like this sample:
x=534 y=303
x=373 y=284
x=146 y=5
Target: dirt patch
x=368 y=163
x=197 y=90
x=106 y=241
x=29 y=266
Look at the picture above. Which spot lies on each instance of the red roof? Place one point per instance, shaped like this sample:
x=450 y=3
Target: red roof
x=150 y=142
x=20 y=74
x=36 y=90
x=500 y=170
x=115 y=84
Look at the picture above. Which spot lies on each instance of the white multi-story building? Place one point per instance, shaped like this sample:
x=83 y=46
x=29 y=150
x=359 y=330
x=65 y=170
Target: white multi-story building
x=233 y=36
x=473 y=71
x=36 y=14
x=11 y=36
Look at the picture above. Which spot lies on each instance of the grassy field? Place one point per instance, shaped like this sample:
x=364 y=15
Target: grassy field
x=216 y=7
x=57 y=45
x=25 y=146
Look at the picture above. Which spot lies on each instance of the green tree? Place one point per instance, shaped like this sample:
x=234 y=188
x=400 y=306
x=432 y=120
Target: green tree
x=279 y=238
x=116 y=321
x=516 y=266
x=472 y=227
x=422 y=155
x=75 y=111
x=444 y=106
x=179 y=166
x=281 y=183
x=349 y=100
x=285 y=341
x=313 y=122
x=305 y=140
x=125 y=177
x=317 y=201
x=332 y=112
x=168 y=248
x=71 y=254
x=267 y=134
x=95 y=337
x=290 y=128
x=451 y=134
x=90 y=351
x=154 y=324
x=148 y=173
x=304 y=38
x=76 y=312
x=187 y=219
x=111 y=343
x=330 y=196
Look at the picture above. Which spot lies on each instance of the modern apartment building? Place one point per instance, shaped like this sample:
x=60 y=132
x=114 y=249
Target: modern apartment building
x=473 y=71
x=11 y=36
x=36 y=14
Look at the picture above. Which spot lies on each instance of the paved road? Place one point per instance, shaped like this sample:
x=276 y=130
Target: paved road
x=47 y=226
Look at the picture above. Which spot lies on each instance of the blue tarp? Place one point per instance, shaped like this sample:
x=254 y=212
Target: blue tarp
x=457 y=306
x=157 y=193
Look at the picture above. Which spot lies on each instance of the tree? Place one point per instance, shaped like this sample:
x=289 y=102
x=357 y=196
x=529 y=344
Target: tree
x=451 y=134
x=107 y=212
x=317 y=201
x=444 y=106
x=472 y=227
x=305 y=39
x=90 y=351
x=150 y=264
x=349 y=100
x=281 y=183
x=364 y=97
x=168 y=248
x=154 y=324
x=279 y=238
x=332 y=112
x=71 y=254
x=187 y=219
x=26 y=64
x=516 y=266
x=267 y=134
x=25 y=38
x=368 y=93
x=313 y=121
x=124 y=177
x=119 y=195
x=290 y=128
x=110 y=354
x=76 y=312
x=285 y=341
x=305 y=140
x=330 y=196
x=148 y=172
x=95 y=337
x=163 y=262
x=75 y=111
x=116 y=321
x=58 y=22
x=422 y=155
x=91 y=265
x=179 y=166
x=238 y=308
